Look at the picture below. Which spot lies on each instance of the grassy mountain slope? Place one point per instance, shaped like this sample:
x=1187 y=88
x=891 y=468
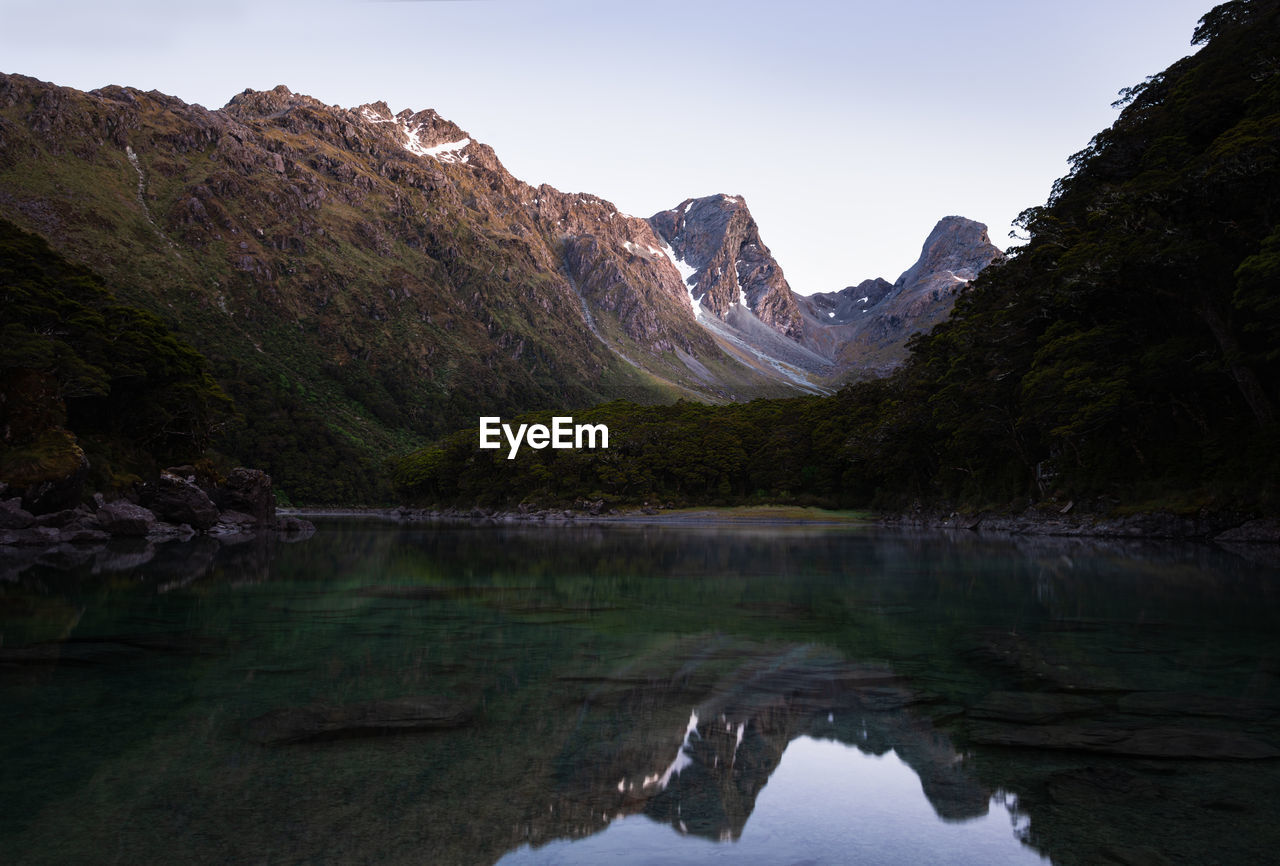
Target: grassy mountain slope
x=341 y=286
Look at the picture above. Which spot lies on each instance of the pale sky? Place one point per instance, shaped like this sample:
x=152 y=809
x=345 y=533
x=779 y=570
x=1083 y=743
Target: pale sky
x=850 y=127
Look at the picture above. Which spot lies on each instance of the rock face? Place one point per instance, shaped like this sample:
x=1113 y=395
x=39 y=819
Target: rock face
x=718 y=240
x=13 y=515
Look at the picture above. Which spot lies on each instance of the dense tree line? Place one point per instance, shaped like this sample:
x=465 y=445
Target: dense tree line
x=81 y=371
x=683 y=452
x=1128 y=351
x=278 y=430
x=1131 y=346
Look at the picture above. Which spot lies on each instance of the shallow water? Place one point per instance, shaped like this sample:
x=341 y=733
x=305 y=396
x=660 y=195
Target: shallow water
x=640 y=694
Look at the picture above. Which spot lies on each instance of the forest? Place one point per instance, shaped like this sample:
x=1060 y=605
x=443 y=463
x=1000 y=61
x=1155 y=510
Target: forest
x=87 y=379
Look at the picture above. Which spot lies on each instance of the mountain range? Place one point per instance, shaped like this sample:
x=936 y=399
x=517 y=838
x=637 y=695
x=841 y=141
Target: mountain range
x=392 y=279
x=364 y=284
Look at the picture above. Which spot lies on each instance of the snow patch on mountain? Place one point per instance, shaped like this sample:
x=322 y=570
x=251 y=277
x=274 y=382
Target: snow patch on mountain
x=687 y=273
x=447 y=152
x=373 y=117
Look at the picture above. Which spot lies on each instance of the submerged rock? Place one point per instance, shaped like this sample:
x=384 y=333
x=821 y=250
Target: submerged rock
x=399 y=715
x=1193 y=704
x=295 y=528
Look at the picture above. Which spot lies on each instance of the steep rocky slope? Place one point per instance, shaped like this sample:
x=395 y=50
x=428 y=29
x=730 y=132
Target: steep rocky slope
x=737 y=290
x=740 y=294
x=719 y=241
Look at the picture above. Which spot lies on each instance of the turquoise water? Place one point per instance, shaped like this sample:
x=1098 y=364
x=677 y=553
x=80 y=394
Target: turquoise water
x=650 y=694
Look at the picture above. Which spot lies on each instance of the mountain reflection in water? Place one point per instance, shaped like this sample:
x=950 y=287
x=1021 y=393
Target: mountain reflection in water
x=826 y=803
x=461 y=694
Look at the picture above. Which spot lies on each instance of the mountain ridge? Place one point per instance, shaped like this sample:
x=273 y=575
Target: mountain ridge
x=869 y=324
x=382 y=275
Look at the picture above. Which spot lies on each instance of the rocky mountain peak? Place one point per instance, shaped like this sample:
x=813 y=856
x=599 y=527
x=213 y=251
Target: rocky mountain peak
x=865 y=327
x=251 y=103
x=956 y=245
x=422 y=133
x=716 y=238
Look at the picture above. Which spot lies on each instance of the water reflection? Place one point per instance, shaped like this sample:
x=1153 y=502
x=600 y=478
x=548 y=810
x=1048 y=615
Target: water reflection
x=826 y=803
x=383 y=694
x=638 y=747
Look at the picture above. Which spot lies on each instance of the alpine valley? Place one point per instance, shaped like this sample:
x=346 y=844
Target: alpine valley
x=362 y=281
x=337 y=295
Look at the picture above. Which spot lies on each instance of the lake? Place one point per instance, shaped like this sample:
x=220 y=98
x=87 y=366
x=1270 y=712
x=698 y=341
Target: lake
x=465 y=694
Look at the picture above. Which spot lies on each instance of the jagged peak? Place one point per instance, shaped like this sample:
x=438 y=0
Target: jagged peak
x=956 y=233
x=380 y=112
x=422 y=133
x=719 y=200
x=263 y=102
x=718 y=208
x=380 y=109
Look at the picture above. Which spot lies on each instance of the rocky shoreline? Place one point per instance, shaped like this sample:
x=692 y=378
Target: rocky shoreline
x=177 y=506
x=582 y=511
x=1218 y=527
x=180 y=506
